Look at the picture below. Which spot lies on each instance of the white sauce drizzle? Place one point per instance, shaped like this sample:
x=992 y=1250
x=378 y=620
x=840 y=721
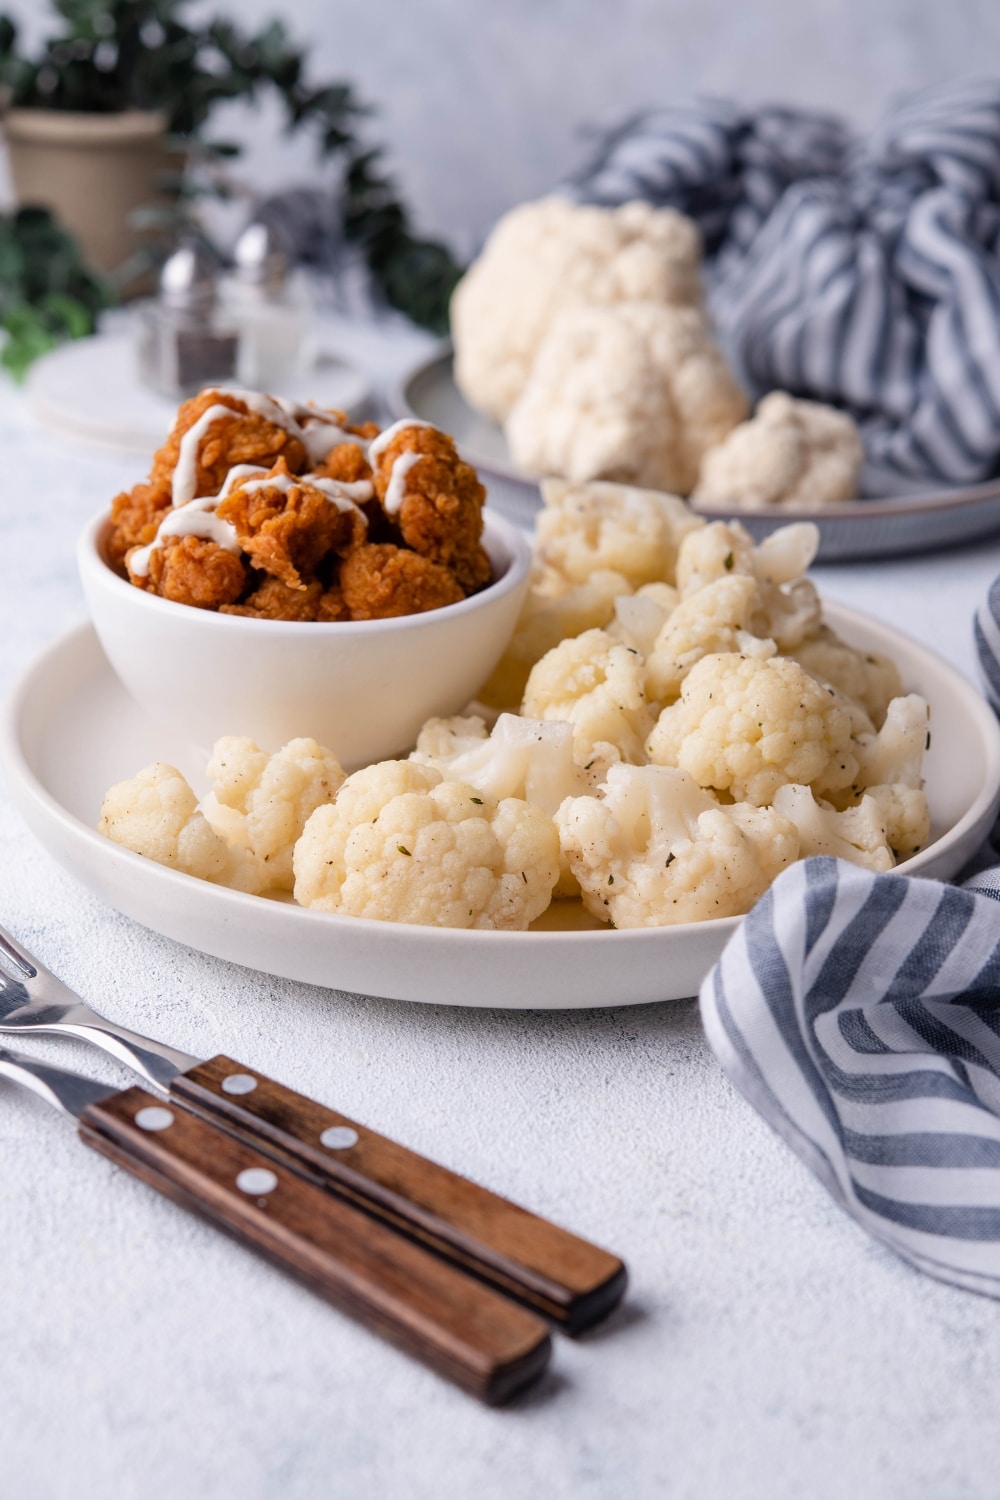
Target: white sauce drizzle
x=338 y=494
x=396 y=488
x=186 y=471
x=195 y=518
x=378 y=445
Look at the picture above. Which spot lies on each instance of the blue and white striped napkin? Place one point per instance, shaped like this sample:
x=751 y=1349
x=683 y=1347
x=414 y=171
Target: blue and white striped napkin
x=860 y=1014
x=862 y=272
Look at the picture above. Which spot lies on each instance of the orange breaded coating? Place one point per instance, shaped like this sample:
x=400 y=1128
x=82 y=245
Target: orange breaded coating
x=245 y=438
x=190 y=570
x=274 y=600
x=379 y=581
x=135 y=518
x=346 y=462
x=287 y=528
x=441 y=514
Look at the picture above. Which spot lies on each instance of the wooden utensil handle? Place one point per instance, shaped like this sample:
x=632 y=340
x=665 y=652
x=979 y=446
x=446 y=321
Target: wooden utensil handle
x=461 y=1328
x=527 y=1257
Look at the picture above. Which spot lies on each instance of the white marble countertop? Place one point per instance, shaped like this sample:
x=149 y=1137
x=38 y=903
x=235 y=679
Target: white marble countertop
x=767 y=1348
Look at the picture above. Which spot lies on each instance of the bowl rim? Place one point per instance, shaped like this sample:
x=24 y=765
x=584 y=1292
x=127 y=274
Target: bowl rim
x=499 y=535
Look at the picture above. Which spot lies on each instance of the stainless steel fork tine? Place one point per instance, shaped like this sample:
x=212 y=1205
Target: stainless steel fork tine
x=24 y=966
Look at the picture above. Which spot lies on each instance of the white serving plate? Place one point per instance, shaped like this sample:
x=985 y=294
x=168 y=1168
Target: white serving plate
x=871 y=528
x=88 y=391
x=70 y=731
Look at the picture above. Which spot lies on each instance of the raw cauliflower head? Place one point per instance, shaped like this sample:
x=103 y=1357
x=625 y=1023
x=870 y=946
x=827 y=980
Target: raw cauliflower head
x=155 y=814
x=402 y=844
x=552 y=254
x=655 y=849
x=261 y=802
x=596 y=685
x=800 y=454
x=635 y=392
x=584 y=528
x=747 y=726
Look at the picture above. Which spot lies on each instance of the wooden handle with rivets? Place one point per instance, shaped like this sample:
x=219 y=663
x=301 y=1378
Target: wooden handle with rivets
x=462 y=1329
x=566 y=1278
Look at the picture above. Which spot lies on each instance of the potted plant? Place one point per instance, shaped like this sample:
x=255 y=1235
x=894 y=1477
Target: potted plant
x=92 y=119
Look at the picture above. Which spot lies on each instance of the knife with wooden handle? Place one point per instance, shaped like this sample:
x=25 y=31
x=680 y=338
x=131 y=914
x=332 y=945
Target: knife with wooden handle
x=566 y=1278
x=464 y=1330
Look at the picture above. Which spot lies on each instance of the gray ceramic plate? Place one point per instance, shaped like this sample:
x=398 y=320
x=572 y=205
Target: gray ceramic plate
x=874 y=528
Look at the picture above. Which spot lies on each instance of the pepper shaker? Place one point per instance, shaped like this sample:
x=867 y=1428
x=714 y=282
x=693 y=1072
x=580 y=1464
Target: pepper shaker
x=184 y=341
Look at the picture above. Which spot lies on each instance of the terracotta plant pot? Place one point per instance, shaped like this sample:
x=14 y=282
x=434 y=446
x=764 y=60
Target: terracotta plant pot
x=92 y=170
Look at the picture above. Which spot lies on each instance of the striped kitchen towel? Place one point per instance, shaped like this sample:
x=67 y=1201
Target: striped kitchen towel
x=860 y=1014
x=862 y=272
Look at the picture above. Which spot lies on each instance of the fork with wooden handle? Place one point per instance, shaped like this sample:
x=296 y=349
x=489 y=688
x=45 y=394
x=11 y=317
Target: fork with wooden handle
x=553 y=1271
x=461 y=1328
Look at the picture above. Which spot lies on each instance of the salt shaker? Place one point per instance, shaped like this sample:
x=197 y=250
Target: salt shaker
x=271 y=307
x=185 y=342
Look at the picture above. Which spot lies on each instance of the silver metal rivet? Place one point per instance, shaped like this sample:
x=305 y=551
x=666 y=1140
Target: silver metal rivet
x=239 y=1083
x=154 y=1117
x=339 y=1137
x=256 y=1180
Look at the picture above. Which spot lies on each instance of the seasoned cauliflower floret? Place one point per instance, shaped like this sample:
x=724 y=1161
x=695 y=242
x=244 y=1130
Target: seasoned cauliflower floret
x=868 y=677
x=155 y=814
x=261 y=802
x=800 y=454
x=552 y=254
x=531 y=759
x=715 y=619
x=584 y=528
x=747 y=726
x=640 y=617
x=655 y=849
x=896 y=753
x=597 y=686
x=402 y=844
x=857 y=834
x=906 y=815
x=634 y=393
x=788 y=608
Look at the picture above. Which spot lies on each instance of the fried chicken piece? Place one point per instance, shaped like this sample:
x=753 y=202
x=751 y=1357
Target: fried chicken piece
x=380 y=581
x=274 y=600
x=287 y=528
x=191 y=570
x=135 y=518
x=244 y=438
x=436 y=502
x=345 y=463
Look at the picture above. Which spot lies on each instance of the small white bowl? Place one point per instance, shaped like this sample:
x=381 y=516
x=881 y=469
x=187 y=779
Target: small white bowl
x=361 y=687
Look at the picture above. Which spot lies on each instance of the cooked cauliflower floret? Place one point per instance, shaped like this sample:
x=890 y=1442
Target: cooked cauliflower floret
x=788 y=608
x=715 y=619
x=585 y=528
x=857 y=834
x=655 y=849
x=597 y=686
x=800 y=454
x=531 y=759
x=634 y=393
x=906 y=815
x=868 y=677
x=261 y=802
x=747 y=726
x=896 y=753
x=552 y=254
x=551 y=613
x=640 y=617
x=155 y=813
x=402 y=844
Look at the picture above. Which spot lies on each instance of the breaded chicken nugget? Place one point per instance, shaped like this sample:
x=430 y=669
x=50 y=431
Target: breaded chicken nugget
x=435 y=499
x=379 y=581
x=274 y=600
x=191 y=570
x=287 y=526
x=135 y=518
x=244 y=438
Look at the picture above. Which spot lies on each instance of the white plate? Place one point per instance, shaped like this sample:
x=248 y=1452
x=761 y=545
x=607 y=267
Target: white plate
x=88 y=391
x=70 y=731
x=871 y=528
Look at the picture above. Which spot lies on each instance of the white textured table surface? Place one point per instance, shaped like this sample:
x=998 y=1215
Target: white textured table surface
x=767 y=1349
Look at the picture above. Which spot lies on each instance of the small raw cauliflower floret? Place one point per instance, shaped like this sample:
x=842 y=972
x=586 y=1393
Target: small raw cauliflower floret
x=655 y=849
x=155 y=814
x=896 y=753
x=788 y=608
x=531 y=759
x=871 y=679
x=261 y=802
x=584 y=528
x=747 y=726
x=597 y=686
x=715 y=619
x=634 y=393
x=800 y=454
x=401 y=844
x=640 y=617
x=857 y=834
x=551 y=613
x=552 y=254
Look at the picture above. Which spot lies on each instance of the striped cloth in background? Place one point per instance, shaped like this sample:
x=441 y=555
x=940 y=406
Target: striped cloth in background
x=865 y=273
x=860 y=1014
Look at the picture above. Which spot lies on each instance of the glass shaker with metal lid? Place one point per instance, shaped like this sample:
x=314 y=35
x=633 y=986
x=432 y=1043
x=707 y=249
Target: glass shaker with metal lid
x=270 y=304
x=185 y=341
